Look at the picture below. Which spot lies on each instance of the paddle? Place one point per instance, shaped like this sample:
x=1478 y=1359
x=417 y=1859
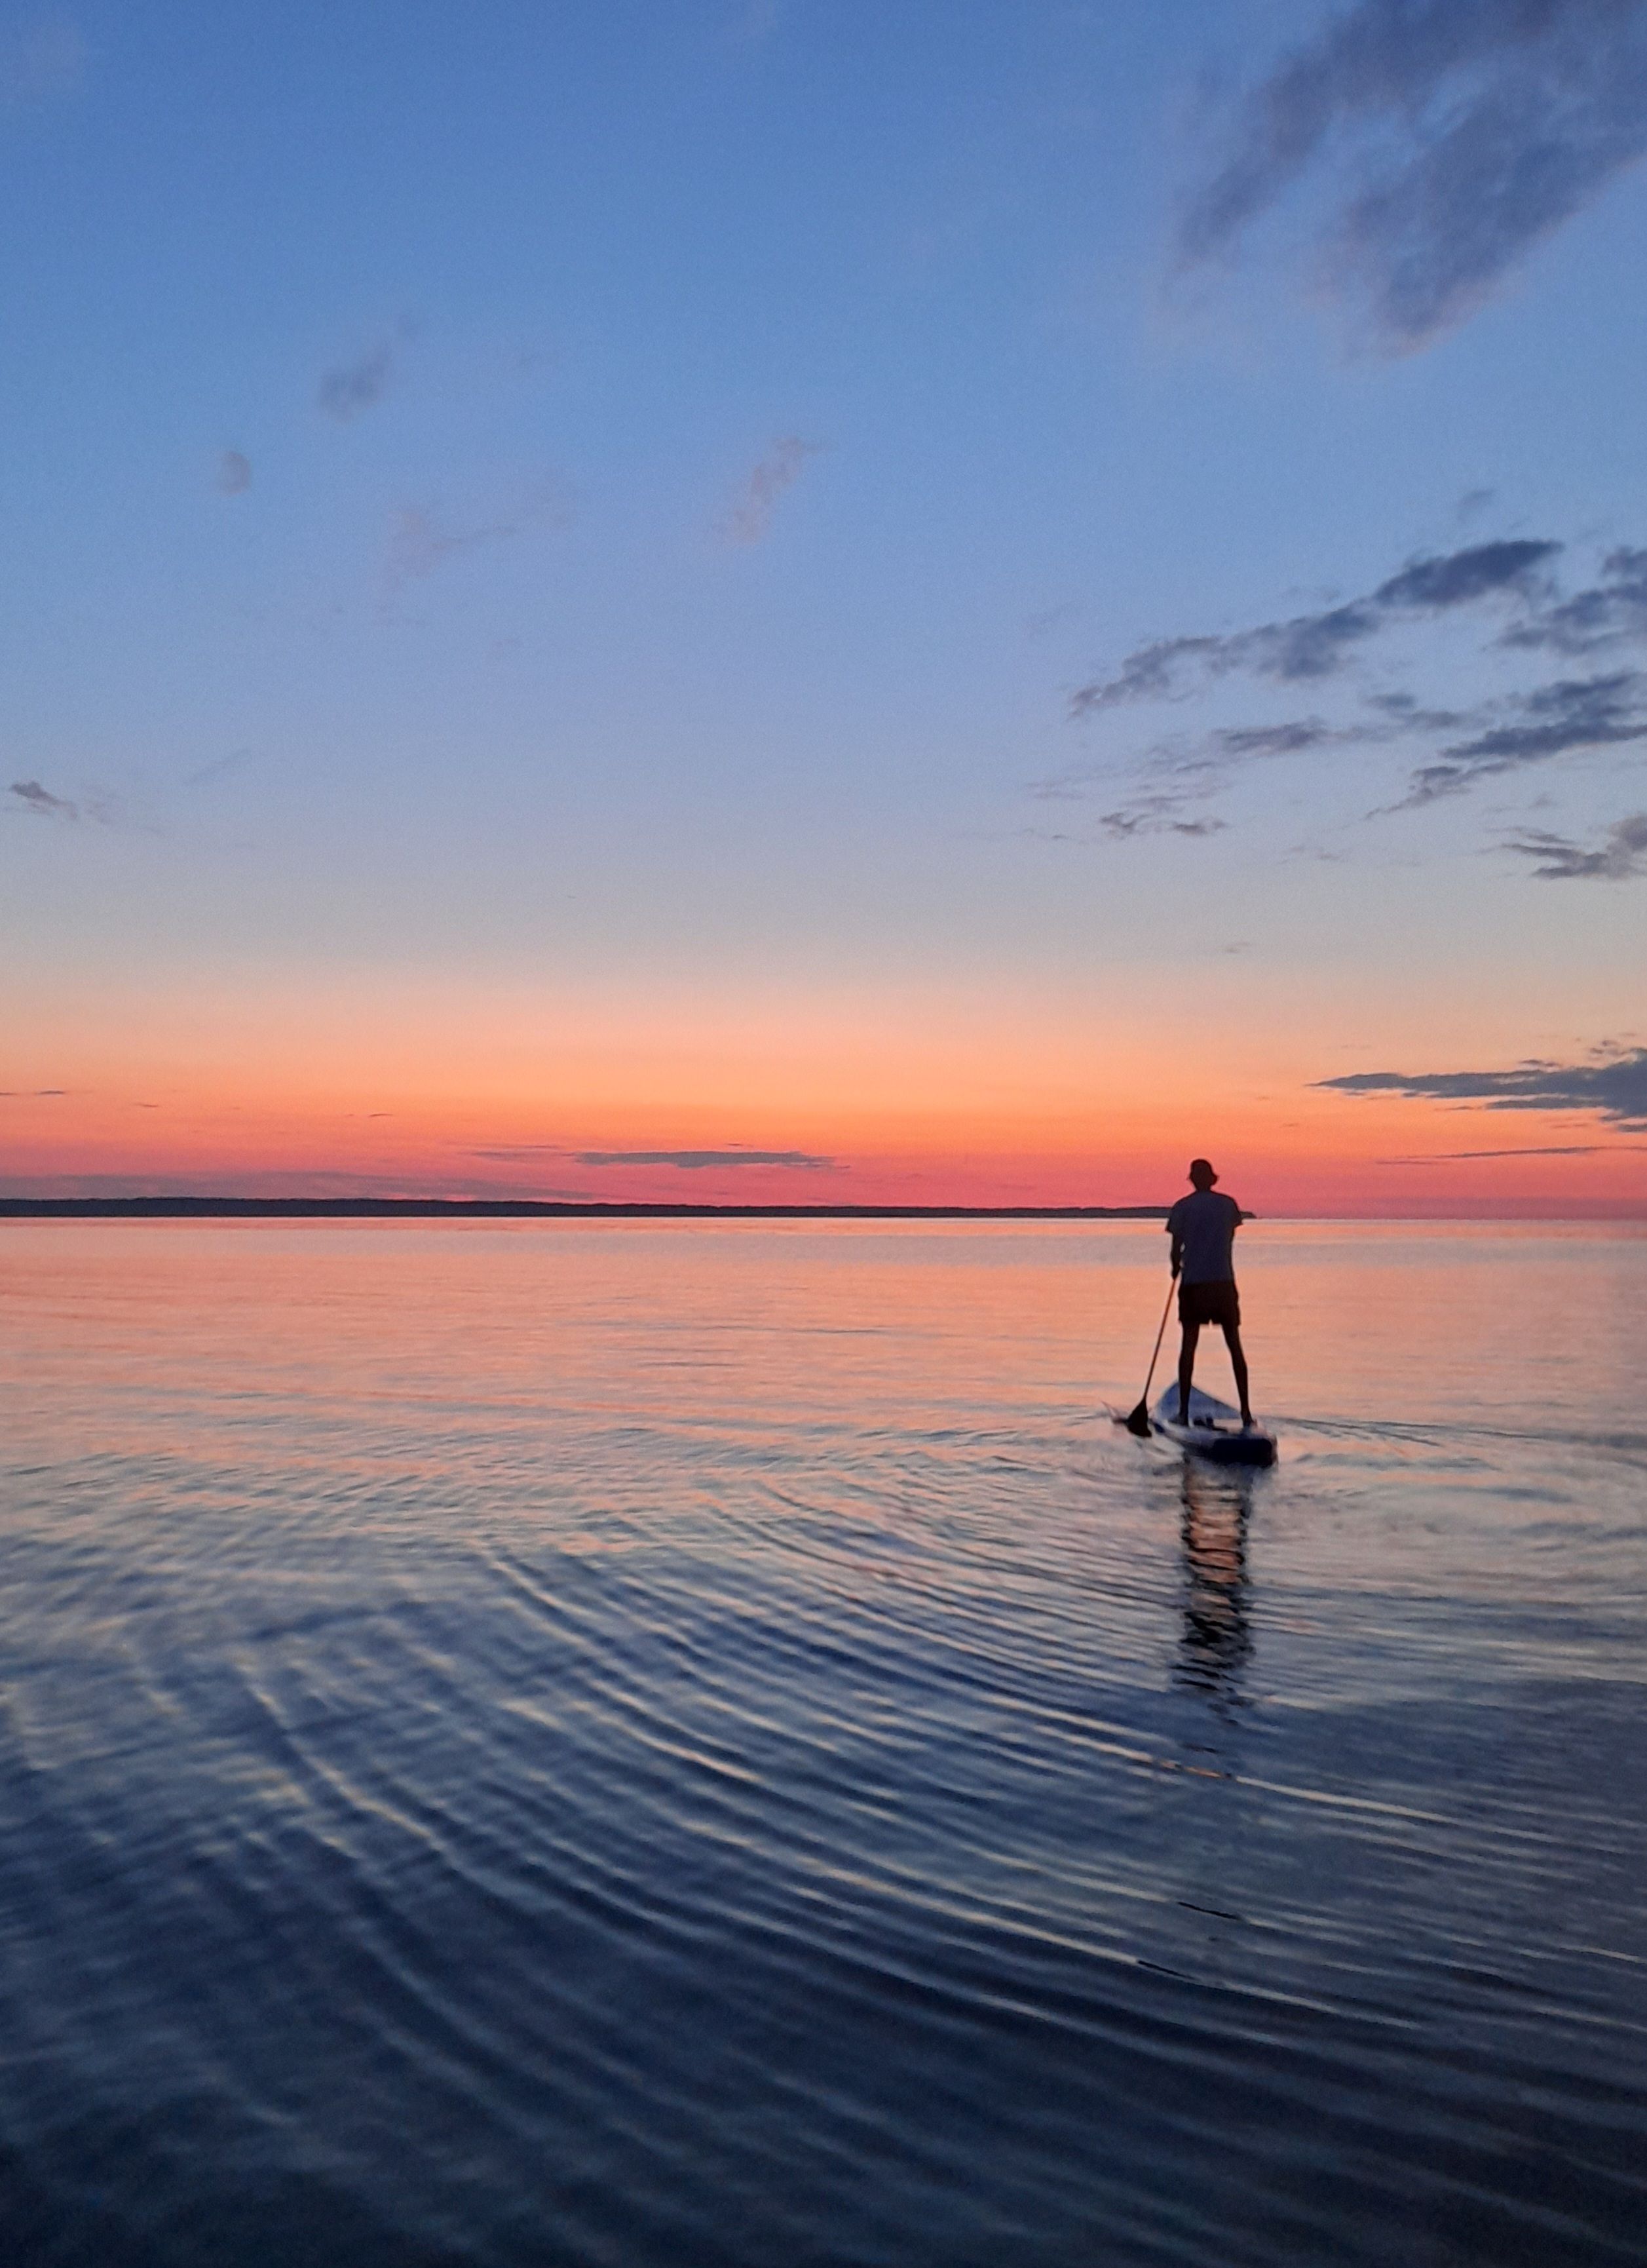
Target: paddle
x=1137 y=1421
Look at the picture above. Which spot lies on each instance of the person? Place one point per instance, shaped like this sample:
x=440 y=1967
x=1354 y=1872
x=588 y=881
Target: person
x=1202 y=1229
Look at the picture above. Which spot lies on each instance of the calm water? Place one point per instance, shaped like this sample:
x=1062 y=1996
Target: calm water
x=659 y=1745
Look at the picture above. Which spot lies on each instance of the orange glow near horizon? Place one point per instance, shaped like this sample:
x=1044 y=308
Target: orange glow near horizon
x=449 y=1091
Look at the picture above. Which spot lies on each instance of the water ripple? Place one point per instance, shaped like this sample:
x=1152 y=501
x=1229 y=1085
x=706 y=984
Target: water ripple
x=691 y=1751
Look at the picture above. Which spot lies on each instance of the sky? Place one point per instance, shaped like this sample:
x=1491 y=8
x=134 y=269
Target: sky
x=807 y=600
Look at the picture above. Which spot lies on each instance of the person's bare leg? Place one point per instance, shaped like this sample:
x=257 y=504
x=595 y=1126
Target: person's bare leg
x=1187 y=1370
x=1237 y=1364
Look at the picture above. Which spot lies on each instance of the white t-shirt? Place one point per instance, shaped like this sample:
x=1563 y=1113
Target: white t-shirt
x=1204 y=1224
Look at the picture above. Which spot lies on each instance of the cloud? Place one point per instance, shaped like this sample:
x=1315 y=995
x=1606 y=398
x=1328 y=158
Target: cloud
x=42 y=802
x=218 y=766
x=1622 y=854
x=1174 y=776
x=1289 y=740
x=234 y=473
x=1318 y=645
x=691 y=1161
x=1485 y=739
x=1612 y=1086
x=43 y=59
x=751 y=515
x=418 y=544
x=1158 y=813
x=1590 y=712
x=1613 y=607
x=1452 y=136
x=345 y=392
x=1559 y=1149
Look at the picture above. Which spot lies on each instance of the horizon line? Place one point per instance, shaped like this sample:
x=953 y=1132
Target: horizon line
x=295 y=1208
x=533 y=1208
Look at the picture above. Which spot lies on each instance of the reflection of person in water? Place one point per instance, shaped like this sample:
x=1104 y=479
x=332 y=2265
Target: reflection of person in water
x=1216 y=1641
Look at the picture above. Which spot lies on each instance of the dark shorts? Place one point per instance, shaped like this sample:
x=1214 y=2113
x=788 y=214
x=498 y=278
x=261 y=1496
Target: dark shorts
x=1210 y=1303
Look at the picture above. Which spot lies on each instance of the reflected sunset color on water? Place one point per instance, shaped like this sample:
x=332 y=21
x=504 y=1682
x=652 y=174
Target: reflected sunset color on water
x=662 y=1744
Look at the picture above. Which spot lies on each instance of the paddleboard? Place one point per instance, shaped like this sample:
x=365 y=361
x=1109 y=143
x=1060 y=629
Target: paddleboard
x=1214 y=1430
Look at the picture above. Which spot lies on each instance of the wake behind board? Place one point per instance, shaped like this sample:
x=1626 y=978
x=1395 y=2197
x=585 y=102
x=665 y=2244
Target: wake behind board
x=1214 y=1430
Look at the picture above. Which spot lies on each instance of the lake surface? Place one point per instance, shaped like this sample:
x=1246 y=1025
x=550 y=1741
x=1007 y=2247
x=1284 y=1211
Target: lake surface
x=700 y=1747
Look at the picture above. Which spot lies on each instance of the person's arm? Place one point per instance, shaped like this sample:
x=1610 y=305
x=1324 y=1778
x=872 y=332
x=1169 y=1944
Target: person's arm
x=1178 y=1244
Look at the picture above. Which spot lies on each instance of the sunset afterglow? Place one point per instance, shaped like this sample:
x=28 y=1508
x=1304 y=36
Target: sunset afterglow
x=802 y=606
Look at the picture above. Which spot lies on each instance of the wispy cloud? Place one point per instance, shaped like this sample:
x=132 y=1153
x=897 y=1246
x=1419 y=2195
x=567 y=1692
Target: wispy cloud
x=1449 y=137
x=1612 y=608
x=417 y=544
x=750 y=518
x=1172 y=777
x=234 y=761
x=1505 y=597
x=692 y=1162
x=1320 y=645
x=1620 y=857
x=1586 y=712
x=41 y=59
x=234 y=473
x=343 y=393
x=1157 y=812
x=1555 y=1150
x=1612 y=1086
x=42 y=802
x=419 y=541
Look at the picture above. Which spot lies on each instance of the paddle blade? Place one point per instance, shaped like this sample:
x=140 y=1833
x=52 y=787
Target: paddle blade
x=1136 y=1421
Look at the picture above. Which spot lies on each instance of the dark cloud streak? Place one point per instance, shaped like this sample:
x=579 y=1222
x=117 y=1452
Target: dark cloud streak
x=1575 y=713
x=343 y=393
x=1613 y=608
x=1496 y=736
x=1611 y=1087
x=1311 y=646
x=418 y=543
x=751 y=517
x=692 y=1162
x=1621 y=856
x=1456 y=135
x=42 y=802
x=1550 y=1150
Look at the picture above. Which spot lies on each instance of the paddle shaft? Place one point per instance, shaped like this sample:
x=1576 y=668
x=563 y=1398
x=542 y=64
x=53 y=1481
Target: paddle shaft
x=1144 y=1399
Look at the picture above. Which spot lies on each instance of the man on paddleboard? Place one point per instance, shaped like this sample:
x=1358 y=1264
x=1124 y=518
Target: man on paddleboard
x=1202 y=1229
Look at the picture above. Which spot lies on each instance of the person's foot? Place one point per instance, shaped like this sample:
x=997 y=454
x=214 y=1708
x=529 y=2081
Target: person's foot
x=1183 y=1411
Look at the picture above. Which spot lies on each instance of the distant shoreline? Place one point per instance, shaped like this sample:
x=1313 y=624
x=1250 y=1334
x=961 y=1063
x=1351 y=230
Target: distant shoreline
x=525 y=1209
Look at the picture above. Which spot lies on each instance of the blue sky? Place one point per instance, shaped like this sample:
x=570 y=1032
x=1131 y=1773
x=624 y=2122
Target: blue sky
x=627 y=497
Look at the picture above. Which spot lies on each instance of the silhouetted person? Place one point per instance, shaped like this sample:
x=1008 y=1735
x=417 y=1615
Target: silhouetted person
x=1202 y=1229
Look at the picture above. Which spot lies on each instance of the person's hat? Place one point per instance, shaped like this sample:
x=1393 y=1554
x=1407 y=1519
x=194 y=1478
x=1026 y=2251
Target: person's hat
x=1201 y=1171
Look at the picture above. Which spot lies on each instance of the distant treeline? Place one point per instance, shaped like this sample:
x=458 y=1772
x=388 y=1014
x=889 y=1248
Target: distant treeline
x=525 y=1209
